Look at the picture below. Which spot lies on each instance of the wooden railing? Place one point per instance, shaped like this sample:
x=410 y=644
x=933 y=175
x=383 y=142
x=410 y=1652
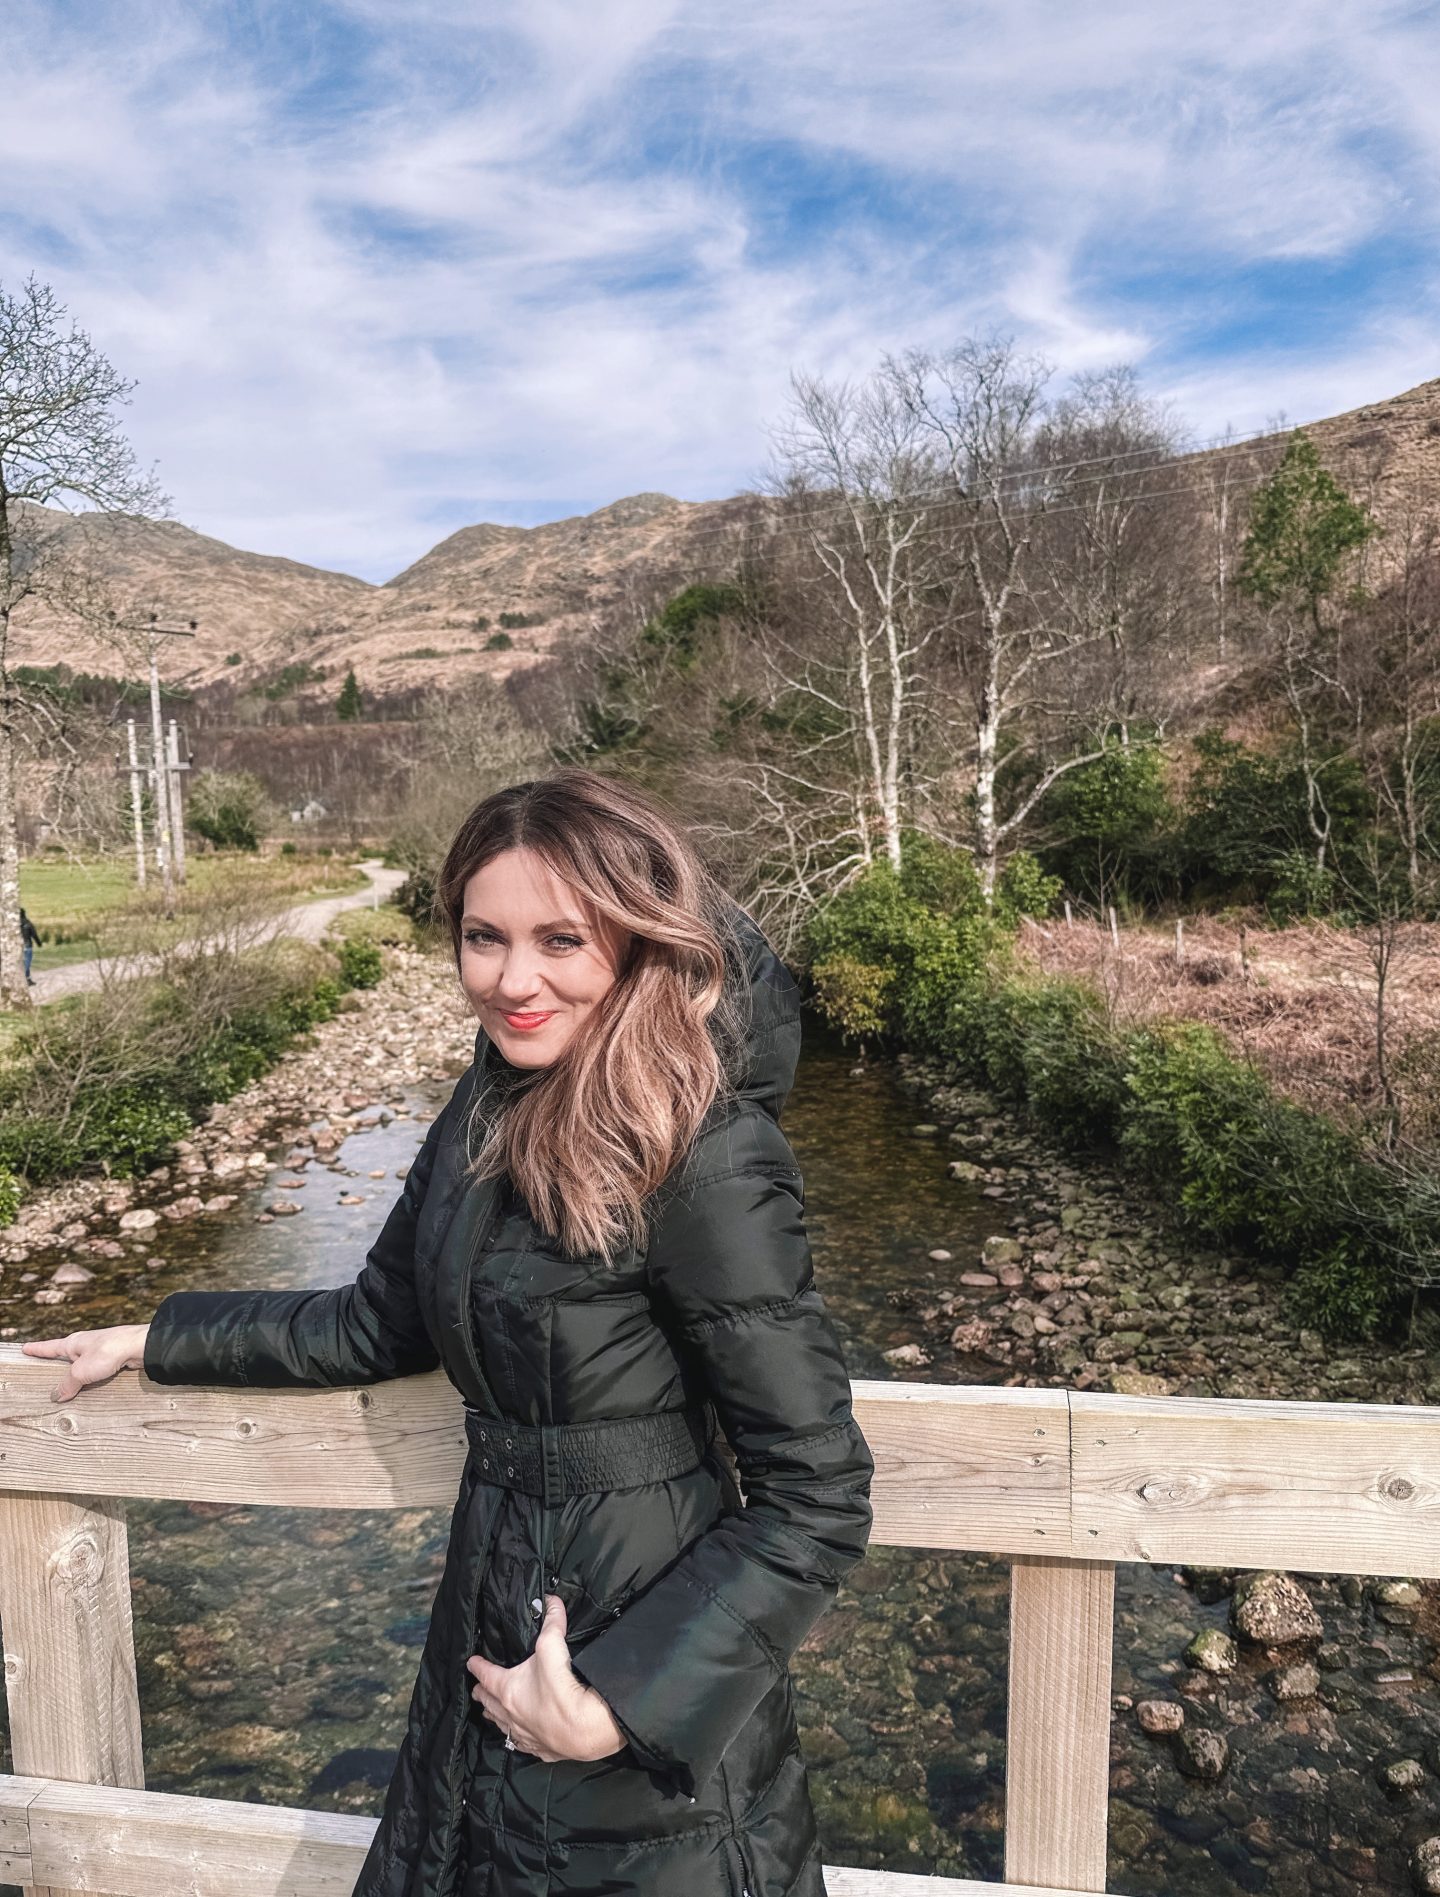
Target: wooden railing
x=1065 y=1483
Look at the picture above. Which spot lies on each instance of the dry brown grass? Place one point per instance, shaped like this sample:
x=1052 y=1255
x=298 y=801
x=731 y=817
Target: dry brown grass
x=1300 y=1002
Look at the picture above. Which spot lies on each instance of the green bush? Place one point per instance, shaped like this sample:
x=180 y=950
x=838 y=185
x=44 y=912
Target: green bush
x=9 y=1195
x=416 y=898
x=1049 y=1044
x=361 y=963
x=387 y=925
x=499 y=642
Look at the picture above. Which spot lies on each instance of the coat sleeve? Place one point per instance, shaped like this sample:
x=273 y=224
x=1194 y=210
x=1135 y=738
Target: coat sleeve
x=686 y=1663
x=363 y=1332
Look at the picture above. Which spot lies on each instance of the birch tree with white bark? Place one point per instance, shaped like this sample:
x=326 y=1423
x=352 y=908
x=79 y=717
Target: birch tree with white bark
x=61 y=447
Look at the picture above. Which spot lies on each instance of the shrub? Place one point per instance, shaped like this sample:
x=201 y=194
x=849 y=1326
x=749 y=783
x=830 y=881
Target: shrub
x=853 y=994
x=361 y=963
x=9 y=1195
x=1024 y=889
x=1247 y=1164
x=499 y=642
x=1049 y=1044
x=416 y=898
x=229 y=809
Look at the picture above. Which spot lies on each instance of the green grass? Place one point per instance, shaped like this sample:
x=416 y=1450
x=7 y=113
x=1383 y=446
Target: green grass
x=84 y=908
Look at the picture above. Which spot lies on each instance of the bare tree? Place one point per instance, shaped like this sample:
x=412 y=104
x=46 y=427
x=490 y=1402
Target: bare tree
x=1008 y=641
x=60 y=445
x=858 y=476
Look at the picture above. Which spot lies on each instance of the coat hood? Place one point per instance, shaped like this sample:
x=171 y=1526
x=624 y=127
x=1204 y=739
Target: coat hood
x=771 y=1014
x=768 y=1004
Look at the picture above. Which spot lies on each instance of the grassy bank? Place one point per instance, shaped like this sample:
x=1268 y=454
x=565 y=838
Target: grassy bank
x=84 y=908
x=108 y=1082
x=914 y=959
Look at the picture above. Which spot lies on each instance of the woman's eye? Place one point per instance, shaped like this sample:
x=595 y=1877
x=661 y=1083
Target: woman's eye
x=556 y=941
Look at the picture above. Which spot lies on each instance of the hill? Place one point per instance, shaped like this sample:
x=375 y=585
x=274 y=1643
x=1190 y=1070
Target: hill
x=493 y=598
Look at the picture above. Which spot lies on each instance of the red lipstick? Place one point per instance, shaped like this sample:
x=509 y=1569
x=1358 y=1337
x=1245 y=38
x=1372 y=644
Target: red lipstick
x=526 y=1023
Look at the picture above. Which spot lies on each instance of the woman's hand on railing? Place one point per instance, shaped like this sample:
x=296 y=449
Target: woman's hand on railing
x=94 y=1356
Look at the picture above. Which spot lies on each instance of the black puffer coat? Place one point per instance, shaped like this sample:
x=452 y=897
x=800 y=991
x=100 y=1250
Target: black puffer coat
x=683 y=1606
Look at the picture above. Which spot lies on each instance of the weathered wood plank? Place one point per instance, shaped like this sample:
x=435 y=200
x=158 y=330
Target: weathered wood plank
x=1057 y=1746
x=133 y=1844
x=1316 y=1487
x=16 y=1797
x=69 y=1643
x=1319 y=1488
x=968 y=1466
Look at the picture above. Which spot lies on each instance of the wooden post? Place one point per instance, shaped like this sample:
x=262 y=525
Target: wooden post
x=1179 y=939
x=69 y=1643
x=1057 y=1742
x=1069 y=915
x=1114 y=927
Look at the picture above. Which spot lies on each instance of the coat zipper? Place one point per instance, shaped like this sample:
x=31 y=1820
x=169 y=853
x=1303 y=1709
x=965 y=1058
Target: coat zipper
x=452 y=1843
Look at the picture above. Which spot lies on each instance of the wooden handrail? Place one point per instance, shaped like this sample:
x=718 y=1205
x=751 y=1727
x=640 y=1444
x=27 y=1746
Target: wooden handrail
x=1066 y=1483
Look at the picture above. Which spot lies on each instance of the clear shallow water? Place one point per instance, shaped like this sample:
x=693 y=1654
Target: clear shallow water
x=277 y=1648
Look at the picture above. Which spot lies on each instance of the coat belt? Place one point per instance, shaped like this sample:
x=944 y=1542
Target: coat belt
x=556 y=1460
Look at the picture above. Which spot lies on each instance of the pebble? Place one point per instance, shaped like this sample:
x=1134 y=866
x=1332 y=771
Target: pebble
x=1201 y=1754
x=939 y=1256
x=1160 y=1715
x=72 y=1274
x=284 y=1208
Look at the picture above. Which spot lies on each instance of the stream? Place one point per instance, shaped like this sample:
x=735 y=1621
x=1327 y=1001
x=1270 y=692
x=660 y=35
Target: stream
x=277 y=1647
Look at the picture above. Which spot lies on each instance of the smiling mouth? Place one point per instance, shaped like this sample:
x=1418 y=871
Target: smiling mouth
x=526 y=1023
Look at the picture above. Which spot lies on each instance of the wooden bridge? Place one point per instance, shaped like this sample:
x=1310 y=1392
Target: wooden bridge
x=1065 y=1483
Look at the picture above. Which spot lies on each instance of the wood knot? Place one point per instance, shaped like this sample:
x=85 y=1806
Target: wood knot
x=245 y=1427
x=65 y=1423
x=1399 y=1488
x=14 y=1670
x=363 y=1399
x=1161 y=1489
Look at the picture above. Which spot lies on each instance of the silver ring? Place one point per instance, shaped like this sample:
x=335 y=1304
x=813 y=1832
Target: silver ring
x=509 y=1743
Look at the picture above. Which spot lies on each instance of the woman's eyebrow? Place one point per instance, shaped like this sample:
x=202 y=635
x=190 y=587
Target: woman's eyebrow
x=541 y=928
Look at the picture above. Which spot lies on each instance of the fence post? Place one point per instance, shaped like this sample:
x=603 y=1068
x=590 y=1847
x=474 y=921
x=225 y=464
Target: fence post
x=69 y=1642
x=1057 y=1739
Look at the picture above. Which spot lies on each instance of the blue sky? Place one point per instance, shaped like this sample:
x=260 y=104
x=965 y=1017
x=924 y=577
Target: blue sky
x=386 y=267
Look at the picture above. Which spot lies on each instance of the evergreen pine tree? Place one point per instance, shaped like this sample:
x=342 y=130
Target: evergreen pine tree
x=348 y=705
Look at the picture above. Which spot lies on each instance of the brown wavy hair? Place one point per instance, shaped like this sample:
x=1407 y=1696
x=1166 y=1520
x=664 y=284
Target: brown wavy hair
x=587 y=1139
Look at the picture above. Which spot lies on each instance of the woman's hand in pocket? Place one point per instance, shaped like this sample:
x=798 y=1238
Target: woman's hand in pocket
x=541 y=1703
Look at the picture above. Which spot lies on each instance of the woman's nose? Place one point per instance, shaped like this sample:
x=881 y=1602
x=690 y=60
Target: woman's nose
x=519 y=979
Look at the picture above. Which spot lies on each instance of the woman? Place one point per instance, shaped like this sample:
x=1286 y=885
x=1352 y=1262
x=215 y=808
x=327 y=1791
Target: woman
x=601 y=1241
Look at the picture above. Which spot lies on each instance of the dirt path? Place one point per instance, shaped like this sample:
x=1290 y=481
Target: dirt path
x=308 y=920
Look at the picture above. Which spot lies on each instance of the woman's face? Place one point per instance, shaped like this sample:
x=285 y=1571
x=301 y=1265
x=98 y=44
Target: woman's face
x=534 y=961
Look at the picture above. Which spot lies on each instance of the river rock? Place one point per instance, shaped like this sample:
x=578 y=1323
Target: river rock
x=226 y=1165
x=905 y=1355
x=221 y=1202
x=1201 y=1754
x=1301 y=1681
x=71 y=1273
x=1213 y=1652
x=1399 y=1776
x=185 y=1208
x=1159 y=1715
x=926 y=1130
x=967 y=1171
x=140 y=1219
x=1273 y=1610
x=980 y=1279
x=1138 y=1383
x=1001 y=1251
x=1425 y=1867
x=974 y=1334
x=284 y=1208
x=939 y=1256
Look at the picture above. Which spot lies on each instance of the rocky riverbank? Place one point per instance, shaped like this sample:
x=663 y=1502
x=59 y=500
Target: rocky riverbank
x=1091 y=1285
x=348 y=1073
x=1290 y=1736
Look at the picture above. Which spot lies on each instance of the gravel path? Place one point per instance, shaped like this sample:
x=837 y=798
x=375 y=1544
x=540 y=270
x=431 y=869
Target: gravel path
x=308 y=920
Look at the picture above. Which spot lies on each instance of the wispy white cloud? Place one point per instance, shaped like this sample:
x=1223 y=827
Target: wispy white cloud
x=388 y=265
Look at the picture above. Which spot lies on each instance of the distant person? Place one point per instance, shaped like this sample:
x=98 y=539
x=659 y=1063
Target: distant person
x=30 y=940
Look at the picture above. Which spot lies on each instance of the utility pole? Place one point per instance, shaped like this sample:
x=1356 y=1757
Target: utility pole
x=163 y=823
x=177 y=806
x=136 y=805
